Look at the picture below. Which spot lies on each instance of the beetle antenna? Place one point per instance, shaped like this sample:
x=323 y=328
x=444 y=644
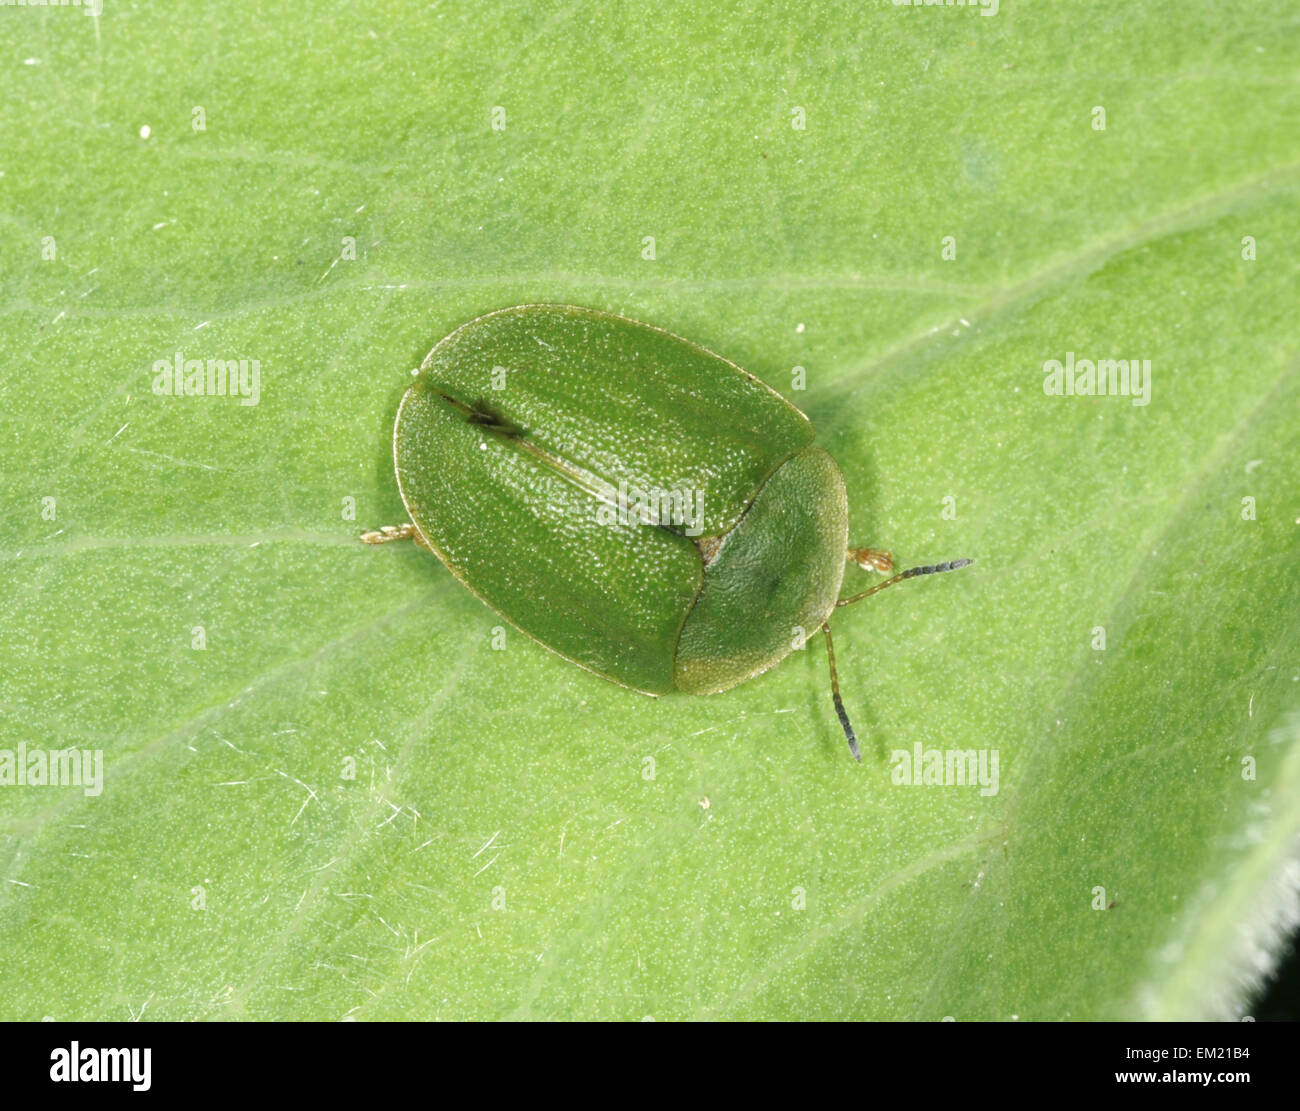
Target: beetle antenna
x=910 y=573
x=835 y=694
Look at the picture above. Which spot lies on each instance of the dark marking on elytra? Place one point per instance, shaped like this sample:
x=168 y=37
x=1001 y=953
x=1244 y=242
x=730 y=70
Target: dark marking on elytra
x=494 y=420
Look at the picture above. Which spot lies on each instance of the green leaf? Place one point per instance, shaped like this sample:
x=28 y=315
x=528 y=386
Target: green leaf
x=346 y=802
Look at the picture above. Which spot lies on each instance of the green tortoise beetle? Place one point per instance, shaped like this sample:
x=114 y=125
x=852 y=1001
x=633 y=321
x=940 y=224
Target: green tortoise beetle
x=632 y=501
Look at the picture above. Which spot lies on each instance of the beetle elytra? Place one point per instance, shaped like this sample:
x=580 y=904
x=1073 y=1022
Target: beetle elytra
x=634 y=502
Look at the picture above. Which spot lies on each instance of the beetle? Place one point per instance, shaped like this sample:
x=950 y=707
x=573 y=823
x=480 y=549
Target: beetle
x=636 y=503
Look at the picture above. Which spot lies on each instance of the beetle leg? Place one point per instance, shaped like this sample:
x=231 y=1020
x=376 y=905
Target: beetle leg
x=392 y=532
x=387 y=533
x=910 y=573
x=835 y=694
x=872 y=559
